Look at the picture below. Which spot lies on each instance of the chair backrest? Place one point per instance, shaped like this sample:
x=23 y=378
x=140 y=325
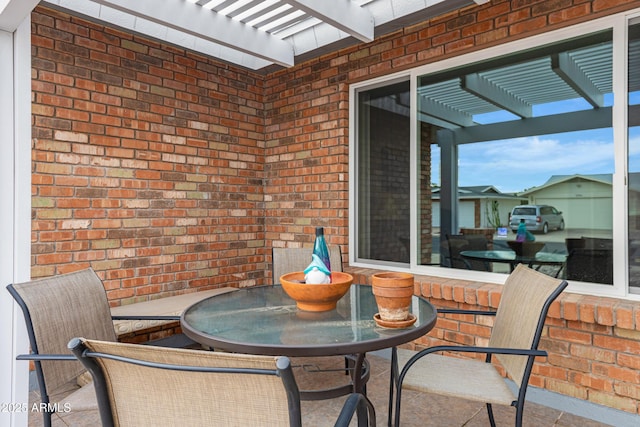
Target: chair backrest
x=525 y=301
x=287 y=260
x=590 y=265
x=463 y=242
x=188 y=387
x=57 y=309
x=590 y=259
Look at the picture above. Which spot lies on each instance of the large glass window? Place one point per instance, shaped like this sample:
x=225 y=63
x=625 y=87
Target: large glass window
x=383 y=174
x=526 y=137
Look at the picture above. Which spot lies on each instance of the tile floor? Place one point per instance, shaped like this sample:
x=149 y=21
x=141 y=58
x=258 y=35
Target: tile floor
x=418 y=409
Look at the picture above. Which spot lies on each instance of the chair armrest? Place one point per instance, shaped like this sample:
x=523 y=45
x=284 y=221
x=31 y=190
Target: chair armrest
x=484 y=350
x=463 y=311
x=354 y=402
x=40 y=357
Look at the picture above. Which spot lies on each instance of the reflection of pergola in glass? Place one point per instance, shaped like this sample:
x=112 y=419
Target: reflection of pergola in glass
x=509 y=101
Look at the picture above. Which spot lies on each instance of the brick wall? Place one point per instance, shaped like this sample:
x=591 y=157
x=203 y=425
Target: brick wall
x=167 y=171
x=148 y=162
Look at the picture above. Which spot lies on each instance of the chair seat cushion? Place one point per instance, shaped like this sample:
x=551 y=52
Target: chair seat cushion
x=451 y=376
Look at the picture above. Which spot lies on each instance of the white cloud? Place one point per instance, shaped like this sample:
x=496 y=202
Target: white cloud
x=517 y=164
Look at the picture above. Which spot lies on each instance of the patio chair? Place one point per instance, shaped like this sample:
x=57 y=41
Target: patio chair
x=287 y=260
x=589 y=260
x=141 y=385
x=57 y=309
x=519 y=320
x=467 y=242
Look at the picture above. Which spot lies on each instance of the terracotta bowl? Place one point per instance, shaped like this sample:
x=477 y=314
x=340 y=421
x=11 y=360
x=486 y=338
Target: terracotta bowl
x=316 y=297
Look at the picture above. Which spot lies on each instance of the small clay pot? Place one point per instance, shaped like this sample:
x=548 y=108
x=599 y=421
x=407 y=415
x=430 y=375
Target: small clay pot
x=393 y=292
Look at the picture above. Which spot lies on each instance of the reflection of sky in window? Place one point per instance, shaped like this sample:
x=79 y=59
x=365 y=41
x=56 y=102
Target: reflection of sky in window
x=547 y=109
x=559 y=107
x=494 y=117
x=514 y=165
x=517 y=164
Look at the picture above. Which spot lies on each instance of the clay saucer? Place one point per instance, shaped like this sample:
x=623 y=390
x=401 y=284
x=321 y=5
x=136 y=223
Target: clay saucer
x=394 y=324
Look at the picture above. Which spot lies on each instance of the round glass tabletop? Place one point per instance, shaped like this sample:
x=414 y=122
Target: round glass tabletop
x=264 y=320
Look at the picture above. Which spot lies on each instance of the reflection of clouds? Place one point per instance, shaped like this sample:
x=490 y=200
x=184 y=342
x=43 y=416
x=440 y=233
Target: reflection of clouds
x=517 y=164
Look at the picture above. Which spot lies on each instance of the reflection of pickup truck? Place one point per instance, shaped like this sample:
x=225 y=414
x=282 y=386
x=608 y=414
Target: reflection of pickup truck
x=537 y=218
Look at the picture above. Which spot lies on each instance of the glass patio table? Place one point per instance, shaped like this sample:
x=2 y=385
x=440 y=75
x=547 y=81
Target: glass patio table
x=264 y=320
x=510 y=257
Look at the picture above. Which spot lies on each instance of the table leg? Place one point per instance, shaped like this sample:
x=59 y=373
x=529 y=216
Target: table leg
x=360 y=385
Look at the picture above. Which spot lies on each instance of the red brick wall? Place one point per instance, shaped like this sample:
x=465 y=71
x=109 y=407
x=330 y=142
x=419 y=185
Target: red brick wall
x=148 y=162
x=167 y=171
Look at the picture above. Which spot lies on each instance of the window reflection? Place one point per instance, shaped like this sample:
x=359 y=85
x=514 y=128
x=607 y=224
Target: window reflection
x=535 y=132
x=383 y=174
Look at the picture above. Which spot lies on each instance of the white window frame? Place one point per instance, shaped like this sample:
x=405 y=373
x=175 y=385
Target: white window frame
x=619 y=24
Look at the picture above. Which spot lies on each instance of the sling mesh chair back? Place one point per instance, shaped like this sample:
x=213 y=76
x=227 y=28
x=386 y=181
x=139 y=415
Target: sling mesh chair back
x=467 y=242
x=287 y=260
x=57 y=309
x=519 y=320
x=140 y=385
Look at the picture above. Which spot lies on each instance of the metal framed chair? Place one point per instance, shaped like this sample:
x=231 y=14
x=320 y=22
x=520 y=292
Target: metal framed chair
x=146 y=385
x=286 y=260
x=590 y=259
x=518 y=325
x=57 y=309
x=463 y=242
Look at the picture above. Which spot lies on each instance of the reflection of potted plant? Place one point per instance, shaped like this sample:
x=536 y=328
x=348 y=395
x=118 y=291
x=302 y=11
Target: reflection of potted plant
x=493 y=218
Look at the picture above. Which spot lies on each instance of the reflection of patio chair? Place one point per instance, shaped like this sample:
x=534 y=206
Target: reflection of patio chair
x=57 y=309
x=145 y=385
x=525 y=301
x=590 y=260
x=287 y=260
x=463 y=242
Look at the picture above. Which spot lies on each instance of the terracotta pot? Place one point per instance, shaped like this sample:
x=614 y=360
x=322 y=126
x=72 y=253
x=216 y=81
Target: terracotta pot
x=393 y=292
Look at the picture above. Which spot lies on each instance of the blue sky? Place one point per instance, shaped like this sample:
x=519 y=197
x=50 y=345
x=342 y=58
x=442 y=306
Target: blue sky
x=517 y=164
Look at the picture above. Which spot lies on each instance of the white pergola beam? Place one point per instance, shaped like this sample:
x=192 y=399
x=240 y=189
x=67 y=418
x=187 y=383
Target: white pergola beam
x=12 y=13
x=487 y=90
x=341 y=14
x=565 y=67
x=200 y=22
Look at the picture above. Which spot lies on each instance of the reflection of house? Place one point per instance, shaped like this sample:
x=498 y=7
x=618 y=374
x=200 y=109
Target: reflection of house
x=585 y=200
x=474 y=203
